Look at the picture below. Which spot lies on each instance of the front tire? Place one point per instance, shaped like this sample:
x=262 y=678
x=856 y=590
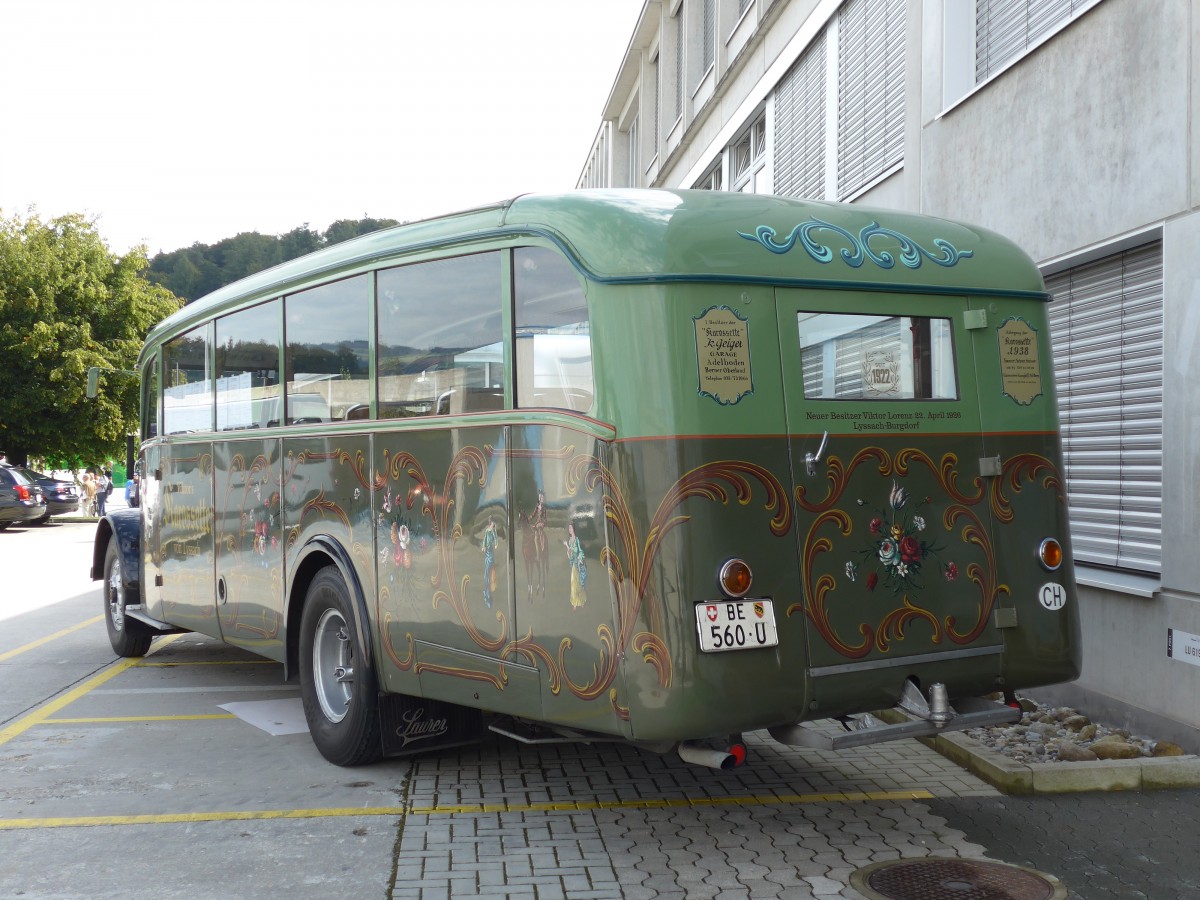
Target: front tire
x=337 y=687
x=127 y=636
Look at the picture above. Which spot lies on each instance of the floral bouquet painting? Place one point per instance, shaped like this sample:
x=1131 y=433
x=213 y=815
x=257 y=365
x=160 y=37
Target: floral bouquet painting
x=899 y=552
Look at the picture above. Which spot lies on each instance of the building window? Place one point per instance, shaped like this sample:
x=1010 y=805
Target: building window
x=1007 y=29
x=870 y=92
x=1106 y=325
x=680 y=35
x=657 y=103
x=800 y=102
x=749 y=156
x=744 y=5
x=711 y=180
x=709 y=28
x=635 y=156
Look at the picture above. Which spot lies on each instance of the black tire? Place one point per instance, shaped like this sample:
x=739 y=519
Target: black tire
x=127 y=636
x=338 y=689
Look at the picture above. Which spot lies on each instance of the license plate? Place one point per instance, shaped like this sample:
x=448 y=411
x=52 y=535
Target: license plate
x=736 y=625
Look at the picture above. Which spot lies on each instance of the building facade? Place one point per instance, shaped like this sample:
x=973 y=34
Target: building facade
x=1071 y=126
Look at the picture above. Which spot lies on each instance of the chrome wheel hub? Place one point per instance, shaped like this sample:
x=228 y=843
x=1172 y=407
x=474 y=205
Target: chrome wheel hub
x=333 y=665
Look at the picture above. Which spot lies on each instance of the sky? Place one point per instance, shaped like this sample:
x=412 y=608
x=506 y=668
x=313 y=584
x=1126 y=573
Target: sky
x=172 y=122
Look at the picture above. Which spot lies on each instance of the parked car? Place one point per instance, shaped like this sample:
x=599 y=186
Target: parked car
x=61 y=496
x=21 y=500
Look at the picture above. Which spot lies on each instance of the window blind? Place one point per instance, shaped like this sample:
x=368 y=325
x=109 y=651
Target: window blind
x=800 y=126
x=870 y=91
x=1005 y=29
x=1106 y=327
x=710 y=35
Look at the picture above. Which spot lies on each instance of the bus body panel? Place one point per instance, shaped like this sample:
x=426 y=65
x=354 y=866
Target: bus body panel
x=1019 y=415
x=250 y=540
x=564 y=565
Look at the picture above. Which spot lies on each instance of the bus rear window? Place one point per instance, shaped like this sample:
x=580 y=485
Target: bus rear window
x=865 y=357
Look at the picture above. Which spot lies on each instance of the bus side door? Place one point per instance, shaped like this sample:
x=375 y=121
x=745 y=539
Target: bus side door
x=178 y=522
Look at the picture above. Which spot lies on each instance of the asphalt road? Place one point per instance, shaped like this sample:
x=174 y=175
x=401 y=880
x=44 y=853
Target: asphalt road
x=184 y=775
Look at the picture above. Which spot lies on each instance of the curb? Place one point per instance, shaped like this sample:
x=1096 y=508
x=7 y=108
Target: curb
x=1023 y=779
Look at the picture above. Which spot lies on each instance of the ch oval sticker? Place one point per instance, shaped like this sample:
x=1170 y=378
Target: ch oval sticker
x=1052 y=596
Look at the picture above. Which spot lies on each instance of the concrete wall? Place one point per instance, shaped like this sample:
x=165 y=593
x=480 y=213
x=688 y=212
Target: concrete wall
x=1083 y=139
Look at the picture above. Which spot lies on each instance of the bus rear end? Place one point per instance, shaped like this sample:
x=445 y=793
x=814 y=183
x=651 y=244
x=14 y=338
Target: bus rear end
x=839 y=499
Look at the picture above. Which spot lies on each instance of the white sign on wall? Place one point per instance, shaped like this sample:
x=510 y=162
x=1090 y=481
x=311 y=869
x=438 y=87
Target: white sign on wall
x=1183 y=646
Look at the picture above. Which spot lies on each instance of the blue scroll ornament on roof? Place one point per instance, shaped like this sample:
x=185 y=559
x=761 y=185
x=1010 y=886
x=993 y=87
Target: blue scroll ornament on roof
x=910 y=252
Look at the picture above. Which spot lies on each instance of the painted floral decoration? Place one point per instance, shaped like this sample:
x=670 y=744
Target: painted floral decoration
x=898 y=548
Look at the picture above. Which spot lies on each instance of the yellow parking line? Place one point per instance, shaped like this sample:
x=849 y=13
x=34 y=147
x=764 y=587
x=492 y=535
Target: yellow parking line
x=469 y=809
x=177 y=818
x=208 y=662
x=38 y=716
x=48 y=638
x=100 y=720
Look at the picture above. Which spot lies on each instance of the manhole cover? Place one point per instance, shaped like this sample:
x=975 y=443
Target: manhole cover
x=954 y=879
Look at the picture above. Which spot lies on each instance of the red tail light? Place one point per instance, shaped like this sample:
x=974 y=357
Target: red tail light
x=22 y=492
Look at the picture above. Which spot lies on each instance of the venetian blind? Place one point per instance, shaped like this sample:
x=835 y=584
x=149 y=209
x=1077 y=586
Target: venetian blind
x=1005 y=29
x=1106 y=326
x=800 y=126
x=870 y=91
x=709 y=28
x=679 y=55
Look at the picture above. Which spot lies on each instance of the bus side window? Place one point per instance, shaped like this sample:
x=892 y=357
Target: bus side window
x=327 y=332
x=248 y=368
x=553 y=335
x=187 y=383
x=150 y=399
x=440 y=349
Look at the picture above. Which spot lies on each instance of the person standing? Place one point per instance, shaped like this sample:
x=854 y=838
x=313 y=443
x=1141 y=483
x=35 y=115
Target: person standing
x=103 y=488
x=89 y=492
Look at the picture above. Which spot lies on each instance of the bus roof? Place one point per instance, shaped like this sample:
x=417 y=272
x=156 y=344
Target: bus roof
x=620 y=236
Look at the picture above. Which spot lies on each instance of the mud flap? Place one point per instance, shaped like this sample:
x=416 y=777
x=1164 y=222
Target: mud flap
x=414 y=725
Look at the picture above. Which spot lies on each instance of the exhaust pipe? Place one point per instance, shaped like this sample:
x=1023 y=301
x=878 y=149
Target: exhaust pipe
x=701 y=755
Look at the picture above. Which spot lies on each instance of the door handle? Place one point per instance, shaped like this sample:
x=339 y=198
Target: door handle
x=811 y=459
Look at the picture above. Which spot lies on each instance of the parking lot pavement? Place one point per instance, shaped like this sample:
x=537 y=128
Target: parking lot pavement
x=133 y=778
x=141 y=754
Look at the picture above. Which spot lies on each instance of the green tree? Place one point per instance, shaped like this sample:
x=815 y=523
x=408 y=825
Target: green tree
x=68 y=303
x=200 y=269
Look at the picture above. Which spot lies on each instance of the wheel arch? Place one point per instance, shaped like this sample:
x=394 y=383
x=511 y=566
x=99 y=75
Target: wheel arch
x=125 y=527
x=319 y=552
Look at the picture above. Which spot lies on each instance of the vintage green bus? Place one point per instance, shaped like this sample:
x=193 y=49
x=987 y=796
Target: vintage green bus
x=655 y=466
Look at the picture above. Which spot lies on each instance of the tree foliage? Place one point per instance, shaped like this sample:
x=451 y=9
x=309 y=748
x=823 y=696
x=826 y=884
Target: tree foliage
x=68 y=303
x=200 y=269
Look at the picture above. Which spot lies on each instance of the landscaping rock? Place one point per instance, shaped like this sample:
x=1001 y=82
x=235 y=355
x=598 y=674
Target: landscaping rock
x=1061 y=734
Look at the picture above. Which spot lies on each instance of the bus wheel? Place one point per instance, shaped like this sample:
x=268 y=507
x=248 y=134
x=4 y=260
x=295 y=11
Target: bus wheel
x=127 y=636
x=337 y=689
